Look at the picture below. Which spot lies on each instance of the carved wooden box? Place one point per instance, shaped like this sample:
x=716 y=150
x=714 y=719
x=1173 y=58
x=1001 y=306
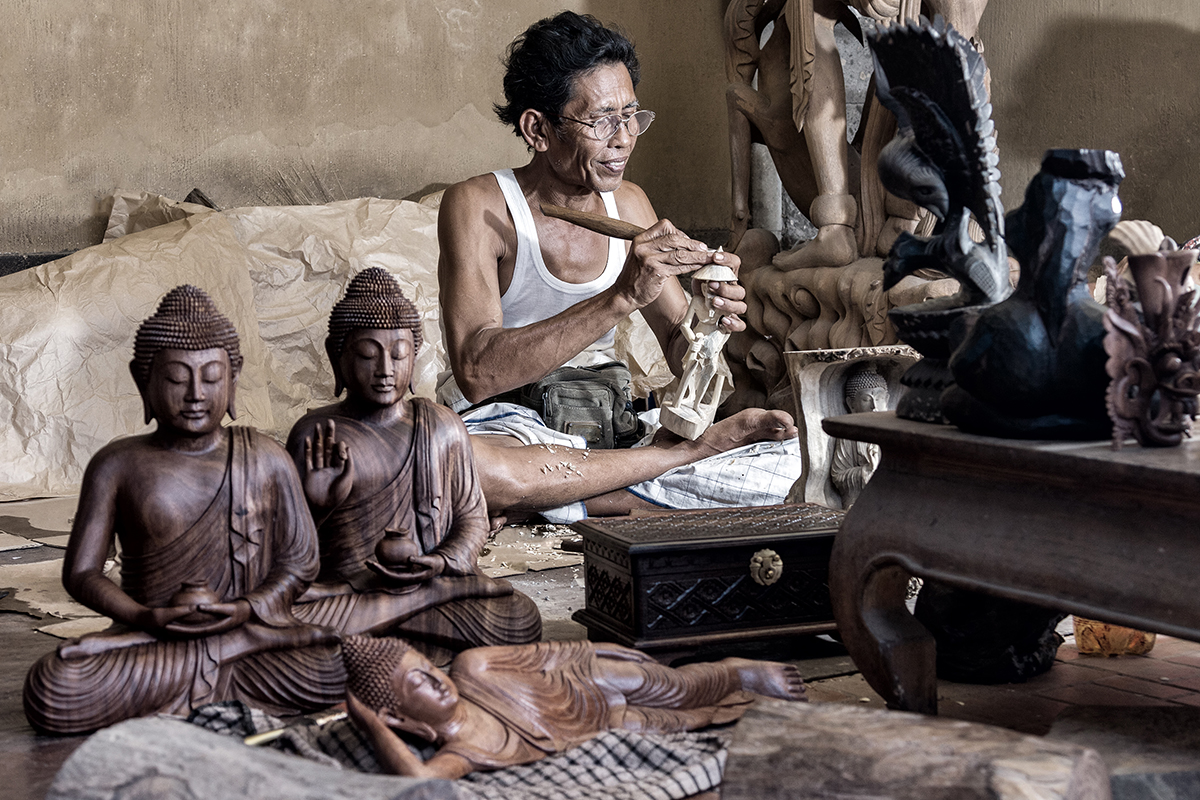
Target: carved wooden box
x=681 y=579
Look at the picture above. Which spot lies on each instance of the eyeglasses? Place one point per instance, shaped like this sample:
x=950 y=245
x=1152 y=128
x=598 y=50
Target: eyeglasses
x=604 y=129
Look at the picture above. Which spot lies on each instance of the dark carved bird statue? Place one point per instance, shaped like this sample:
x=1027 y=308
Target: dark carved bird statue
x=942 y=157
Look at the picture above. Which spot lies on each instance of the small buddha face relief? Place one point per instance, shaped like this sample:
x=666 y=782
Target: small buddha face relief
x=427 y=693
x=377 y=364
x=189 y=390
x=874 y=399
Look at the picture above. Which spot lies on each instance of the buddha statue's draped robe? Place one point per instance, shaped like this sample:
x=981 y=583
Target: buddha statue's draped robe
x=853 y=465
x=548 y=699
x=432 y=491
x=254 y=541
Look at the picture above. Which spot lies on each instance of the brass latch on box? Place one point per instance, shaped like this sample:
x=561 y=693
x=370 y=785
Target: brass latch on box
x=765 y=567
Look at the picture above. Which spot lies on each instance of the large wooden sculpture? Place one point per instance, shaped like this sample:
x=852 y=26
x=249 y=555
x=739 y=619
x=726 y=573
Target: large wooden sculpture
x=943 y=159
x=216 y=543
x=392 y=486
x=789 y=94
x=504 y=706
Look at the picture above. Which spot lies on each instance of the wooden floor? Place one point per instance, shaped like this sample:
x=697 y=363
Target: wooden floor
x=1169 y=675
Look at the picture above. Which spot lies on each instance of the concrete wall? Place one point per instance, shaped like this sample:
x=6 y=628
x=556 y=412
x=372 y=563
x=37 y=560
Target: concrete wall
x=255 y=101
x=1111 y=74
x=684 y=164
x=275 y=102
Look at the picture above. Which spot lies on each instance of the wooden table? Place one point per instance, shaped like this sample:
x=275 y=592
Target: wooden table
x=1077 y=526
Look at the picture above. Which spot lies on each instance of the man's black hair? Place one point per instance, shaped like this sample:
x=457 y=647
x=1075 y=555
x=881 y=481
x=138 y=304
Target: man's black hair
x=543 y=62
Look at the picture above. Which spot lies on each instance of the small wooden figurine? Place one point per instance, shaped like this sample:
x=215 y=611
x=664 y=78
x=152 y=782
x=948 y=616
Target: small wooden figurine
x=1154 y=356
x=393 y=489
x=694 y=405
x=216 y=544
x=504 y=706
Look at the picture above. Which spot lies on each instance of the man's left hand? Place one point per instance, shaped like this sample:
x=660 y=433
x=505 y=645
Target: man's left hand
x=728 y=297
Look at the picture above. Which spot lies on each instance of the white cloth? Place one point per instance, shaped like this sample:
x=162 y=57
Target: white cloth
x=755 y=475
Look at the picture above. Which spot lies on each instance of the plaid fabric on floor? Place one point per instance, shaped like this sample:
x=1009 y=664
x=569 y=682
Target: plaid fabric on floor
x=616 y=765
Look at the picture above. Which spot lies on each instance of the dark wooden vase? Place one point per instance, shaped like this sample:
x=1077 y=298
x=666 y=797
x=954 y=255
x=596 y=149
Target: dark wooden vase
x=396 y=548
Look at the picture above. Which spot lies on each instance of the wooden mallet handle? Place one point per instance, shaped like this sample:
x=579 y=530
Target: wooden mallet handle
x=594 y=222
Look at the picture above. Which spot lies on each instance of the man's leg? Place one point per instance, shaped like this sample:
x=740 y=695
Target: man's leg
x=518 y=478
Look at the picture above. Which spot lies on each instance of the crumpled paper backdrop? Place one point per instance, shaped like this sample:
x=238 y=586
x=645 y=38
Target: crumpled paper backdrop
x=66 y=332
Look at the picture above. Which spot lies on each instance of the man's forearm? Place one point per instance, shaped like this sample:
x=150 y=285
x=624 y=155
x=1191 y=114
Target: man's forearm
x=501 y=359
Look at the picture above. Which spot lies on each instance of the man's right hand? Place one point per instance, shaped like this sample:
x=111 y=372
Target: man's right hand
x=659 y=254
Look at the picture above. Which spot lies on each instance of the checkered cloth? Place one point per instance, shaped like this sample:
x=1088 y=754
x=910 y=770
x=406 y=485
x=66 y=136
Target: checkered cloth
x=759 y=474
x=616 y=765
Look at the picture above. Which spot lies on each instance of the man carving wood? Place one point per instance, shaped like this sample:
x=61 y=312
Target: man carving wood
x=523 y=294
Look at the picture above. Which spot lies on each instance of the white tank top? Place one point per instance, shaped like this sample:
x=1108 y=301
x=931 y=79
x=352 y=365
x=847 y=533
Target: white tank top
x=534 y=294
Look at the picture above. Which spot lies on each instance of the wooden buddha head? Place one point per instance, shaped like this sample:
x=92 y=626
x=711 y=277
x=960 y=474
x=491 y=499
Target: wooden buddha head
x=374 y=332
x=394 y=679
x=186 y=362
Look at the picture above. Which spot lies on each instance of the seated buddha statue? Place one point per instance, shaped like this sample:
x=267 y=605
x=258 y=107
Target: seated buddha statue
x=855 y=462
x=503 y=706
x=393 y=488
x=216 y=544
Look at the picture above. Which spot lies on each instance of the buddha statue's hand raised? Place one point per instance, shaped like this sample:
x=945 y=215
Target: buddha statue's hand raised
x=327 y=471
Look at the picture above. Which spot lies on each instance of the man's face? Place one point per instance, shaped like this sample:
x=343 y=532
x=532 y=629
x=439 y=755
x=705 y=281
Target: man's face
x=427 y=693
x=377 y=364
x=188 y=390
x=580 y=160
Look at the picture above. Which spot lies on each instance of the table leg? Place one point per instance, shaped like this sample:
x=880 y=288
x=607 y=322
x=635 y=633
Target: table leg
x=894 y=652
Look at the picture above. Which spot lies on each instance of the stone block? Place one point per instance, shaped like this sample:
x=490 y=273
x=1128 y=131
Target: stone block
x=827 y=751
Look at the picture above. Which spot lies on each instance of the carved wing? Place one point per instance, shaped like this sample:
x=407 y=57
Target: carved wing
x=933 y=80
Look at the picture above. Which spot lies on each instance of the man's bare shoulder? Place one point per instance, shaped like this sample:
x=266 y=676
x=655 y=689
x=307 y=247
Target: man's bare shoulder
x=473 y=227
x=633 y=205
x=474 y=195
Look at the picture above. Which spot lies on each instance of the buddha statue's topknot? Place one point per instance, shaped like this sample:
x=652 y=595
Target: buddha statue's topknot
x=863 y=380
x=370 y=663
x=372 y=300
x=186 y=319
